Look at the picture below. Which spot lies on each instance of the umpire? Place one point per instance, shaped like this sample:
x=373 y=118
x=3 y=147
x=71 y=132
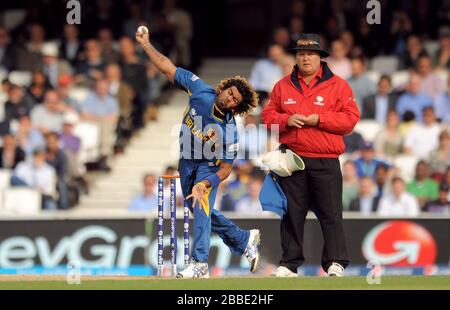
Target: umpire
x=314 y=109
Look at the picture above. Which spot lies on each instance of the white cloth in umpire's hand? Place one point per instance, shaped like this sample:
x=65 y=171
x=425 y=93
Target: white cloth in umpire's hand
x=283 y=162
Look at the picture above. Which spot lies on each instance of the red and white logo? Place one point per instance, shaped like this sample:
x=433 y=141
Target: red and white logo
x=400 y=243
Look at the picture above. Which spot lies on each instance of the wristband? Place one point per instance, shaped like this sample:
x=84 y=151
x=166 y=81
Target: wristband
x=214 y=180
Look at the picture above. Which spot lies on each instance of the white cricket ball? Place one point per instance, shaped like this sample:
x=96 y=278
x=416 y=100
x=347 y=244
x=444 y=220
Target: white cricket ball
x=142 y=30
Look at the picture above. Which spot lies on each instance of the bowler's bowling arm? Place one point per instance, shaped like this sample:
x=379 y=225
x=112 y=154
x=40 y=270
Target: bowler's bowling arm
x=163 y=63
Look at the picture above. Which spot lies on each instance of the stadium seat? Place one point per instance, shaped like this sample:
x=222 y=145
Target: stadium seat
x=384 y=64
x=90 y=143
x=22 y=201
x=5 y=177
x=431 y=47
x=21 y=78
x=443 y=74
x=400 y=78
x=374 y=76
x=406 y=165
x=79 y=93
x=368 y=129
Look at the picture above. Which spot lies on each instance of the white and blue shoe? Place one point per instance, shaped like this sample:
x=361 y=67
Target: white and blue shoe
x=195 y=270
x=335 y=270
x=252 y=249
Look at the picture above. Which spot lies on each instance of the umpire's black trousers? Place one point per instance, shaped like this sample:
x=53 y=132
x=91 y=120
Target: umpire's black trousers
x=320 y=186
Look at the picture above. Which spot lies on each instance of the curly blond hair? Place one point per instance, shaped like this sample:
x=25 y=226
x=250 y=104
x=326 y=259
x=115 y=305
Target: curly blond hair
x=250 y=97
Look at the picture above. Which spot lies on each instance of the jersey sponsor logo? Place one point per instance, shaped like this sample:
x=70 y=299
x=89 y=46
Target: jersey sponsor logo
x=319 y=101
x=193 y=112
x=194 y=78
x=290 y=101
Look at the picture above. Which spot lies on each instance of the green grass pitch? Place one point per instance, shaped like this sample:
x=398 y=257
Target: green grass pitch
x=250 y=283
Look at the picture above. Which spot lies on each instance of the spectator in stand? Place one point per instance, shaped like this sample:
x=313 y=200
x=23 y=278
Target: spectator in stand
x=28 y=137
x=408 y=122
x=413 y=100
x=30 y=56
x=422 y=187
x=48 y=117
x=250 y=204
x=287 y=63
x=414 y=51
x=338 y=61
x=442 y=104
x=134 y=73
x=367 y=39
x=52 y=66
x=383 y=180
x=423 y=138
x=38 y=175
x=135 y=19
x=296 y=28
x=350 y=184
x=440 y=205
x=361 y=85
x=91 y=67
x=180 y=21
x=64 y=91
x=7 y=51
x=389 y=140
x=377 y=106
x=237 y=188
x=106 y=40
x=56 y=158
x=266 y=72
x=367 y=164
x=398 y=203
x=102 y=109
x=10 y=153
x=148 y=200
x=353 y=142
x=442 y=57
x=367 y=201
x=281 y=37
x=69 y=142
x=71 y=46
x=348 y=40
x=440 y=158
x=18 y=104
x=124 y=95
x=432 y=84
x=39 y=86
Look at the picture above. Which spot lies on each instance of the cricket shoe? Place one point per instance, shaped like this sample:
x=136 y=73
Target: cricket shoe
x=252 y=249
x=335 y=270
x=283 y=272
x=195 y=270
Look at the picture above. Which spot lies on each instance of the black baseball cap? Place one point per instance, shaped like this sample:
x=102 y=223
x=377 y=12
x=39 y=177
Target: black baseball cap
x=311 y=42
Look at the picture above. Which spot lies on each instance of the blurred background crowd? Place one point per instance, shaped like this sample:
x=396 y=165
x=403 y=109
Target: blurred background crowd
x=72 y=96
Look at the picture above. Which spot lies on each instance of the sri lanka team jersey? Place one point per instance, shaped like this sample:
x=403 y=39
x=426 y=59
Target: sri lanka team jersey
x=207 y=134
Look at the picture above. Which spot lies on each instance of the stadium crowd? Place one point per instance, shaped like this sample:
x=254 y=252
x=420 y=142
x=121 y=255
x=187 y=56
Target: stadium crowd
x=72 y=96
x=61 y=87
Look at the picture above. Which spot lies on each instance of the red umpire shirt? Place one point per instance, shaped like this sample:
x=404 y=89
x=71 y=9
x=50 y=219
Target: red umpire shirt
x=327 y=95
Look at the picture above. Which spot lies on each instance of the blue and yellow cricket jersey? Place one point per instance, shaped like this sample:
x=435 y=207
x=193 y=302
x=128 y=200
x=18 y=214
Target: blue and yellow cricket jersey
x=207 y=134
